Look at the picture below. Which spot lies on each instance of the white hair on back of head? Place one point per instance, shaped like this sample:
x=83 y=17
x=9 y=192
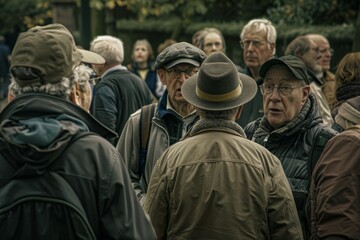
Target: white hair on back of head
x=60 y=89
x=82 y=76
x=109 y=47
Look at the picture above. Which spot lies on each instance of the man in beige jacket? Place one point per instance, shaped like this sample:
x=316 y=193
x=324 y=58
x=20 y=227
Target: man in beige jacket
x=216 y=184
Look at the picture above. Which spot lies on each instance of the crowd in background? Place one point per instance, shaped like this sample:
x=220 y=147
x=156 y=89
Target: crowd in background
x=189 y=144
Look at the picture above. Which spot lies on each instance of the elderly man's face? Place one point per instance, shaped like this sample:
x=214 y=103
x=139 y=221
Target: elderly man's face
x=282 y=106
x=311 y=57
x=174 y=78
x=325 y=53
x=256 y=49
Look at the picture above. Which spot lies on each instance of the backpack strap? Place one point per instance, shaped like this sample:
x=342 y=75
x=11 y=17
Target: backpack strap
x=320 y=141
x=146 y=115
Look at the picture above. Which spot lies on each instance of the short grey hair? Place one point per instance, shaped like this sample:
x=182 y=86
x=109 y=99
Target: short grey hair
x=298 y=46
x=60 y=89
x=82 y=77
x=109 y=47
x=260 y=25
x=227 y=114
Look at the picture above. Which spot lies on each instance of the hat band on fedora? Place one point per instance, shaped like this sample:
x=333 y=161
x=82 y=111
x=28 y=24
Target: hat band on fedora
x=219 y=97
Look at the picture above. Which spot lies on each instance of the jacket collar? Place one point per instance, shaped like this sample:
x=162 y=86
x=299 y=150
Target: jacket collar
x=38 y=104
x=216 y=124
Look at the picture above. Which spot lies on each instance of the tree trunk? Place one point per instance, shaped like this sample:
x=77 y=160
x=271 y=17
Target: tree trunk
x=356 y=40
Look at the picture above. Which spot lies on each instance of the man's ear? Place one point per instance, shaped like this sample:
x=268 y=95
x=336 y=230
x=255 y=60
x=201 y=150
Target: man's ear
x=161 y=75
x=272 y=47
x=238 y=114
x=10 y=97
x=75 y=95
x=305 y=94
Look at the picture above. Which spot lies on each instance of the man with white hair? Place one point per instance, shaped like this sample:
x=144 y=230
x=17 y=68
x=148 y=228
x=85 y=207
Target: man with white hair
x=119 y=92
x=258 y=41
x=327 y=77
x=308 y=52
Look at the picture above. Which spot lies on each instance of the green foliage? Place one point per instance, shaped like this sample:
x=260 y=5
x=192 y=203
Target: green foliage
x=318 y=12
x=284 y=31
x=19 y=15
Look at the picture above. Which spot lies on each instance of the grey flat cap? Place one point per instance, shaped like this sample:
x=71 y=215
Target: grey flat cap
x=177 y=53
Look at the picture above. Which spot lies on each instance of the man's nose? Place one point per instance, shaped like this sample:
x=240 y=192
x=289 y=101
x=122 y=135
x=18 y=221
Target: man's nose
x=183 y=77
x=275 y=94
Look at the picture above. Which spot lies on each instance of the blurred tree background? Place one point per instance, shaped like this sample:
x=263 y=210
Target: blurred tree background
x=158 y=20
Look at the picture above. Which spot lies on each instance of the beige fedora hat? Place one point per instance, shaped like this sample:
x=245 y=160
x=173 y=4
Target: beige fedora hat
x=218 y=85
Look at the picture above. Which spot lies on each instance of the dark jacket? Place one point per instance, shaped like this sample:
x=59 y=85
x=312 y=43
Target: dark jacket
x=151 y=78
x=253 y=109
x=293 y=145
x=116 y=96
x=335 y=188
x=37 y=129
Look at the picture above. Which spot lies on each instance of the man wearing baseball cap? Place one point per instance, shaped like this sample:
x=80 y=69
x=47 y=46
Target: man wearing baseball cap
x=173 y=115
x=216 y=184
x=48 y=155
x=291 y=127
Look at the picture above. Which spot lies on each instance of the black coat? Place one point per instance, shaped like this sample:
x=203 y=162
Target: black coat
x=116 y=96
x=294 y=145
x=36 y=139
x=253 y=109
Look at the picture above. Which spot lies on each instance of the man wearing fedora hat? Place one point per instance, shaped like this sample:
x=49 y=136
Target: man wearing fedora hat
x=54 y=173
x=172 y=115
x=291 y=127
x=216 y=184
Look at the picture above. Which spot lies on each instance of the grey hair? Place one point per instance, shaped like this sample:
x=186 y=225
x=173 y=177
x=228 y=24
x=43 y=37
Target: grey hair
x=227 y=114
x=82 y=77
x=298 y=46
x=260 y=25
x=109 y=47
x=199 y=36
x=60 y=89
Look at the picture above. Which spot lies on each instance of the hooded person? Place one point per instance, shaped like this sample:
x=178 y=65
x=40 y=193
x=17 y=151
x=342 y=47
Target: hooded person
x=216 y=174
x=43 y=134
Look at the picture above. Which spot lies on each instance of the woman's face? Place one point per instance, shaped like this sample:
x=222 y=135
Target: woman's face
x=141 y=53
x=213 y=43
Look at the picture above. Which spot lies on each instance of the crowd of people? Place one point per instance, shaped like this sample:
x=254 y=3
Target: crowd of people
x=180 y=144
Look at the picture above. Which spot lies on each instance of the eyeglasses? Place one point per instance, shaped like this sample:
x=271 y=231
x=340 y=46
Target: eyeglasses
x=267 y=89
x=176 y=73
x=255 y=43
x=324 y=50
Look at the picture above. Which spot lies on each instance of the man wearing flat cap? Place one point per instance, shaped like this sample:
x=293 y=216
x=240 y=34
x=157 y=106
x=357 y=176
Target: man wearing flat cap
x=291 y=127
x=173 y=115
x=215 y=183
x=57 y=180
